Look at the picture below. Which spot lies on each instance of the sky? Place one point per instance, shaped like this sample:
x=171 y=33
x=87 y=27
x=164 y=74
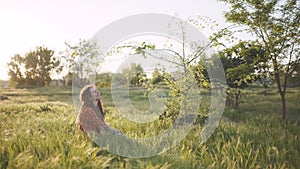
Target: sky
x=31 y=23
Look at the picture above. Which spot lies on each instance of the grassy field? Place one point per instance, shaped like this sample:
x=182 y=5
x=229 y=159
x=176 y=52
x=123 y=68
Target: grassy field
x=38 y=130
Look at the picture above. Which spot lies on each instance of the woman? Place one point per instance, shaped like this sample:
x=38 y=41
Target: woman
x=91 y=116
x=91 y=120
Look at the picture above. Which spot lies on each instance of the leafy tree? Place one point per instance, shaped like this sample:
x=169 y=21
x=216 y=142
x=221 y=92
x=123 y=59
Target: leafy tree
x=276 y=25
x=180 y=81
x=81 y=59
x=68 y=79
x=37 y=66
x=243 y=63
x=295 y=79
x=16 y=77
x=200 y=74
x=157 y=77
x=118 y=79
x=135 y=74
x=103 y=80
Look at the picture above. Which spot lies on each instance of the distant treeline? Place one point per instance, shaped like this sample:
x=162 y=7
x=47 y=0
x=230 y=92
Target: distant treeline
x=3 y=83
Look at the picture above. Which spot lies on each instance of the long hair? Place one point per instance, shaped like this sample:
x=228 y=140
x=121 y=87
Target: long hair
x=85 y=97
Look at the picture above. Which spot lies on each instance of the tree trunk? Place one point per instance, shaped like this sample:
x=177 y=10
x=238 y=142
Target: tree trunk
x=237 y=96
x=281 y=92
x=283 y=105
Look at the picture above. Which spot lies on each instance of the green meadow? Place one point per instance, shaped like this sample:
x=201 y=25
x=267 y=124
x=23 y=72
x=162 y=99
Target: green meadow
x=38 y=130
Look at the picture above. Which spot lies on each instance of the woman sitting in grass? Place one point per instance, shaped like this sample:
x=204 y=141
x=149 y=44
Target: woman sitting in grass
x=91 y=116
x=91 y=120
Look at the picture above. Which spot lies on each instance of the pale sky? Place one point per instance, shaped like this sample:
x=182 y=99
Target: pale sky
x=31 y=23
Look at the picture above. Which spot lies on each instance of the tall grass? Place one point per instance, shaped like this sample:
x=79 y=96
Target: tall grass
x=38 y=131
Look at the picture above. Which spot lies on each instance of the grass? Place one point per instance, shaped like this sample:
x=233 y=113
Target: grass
x=38 y=130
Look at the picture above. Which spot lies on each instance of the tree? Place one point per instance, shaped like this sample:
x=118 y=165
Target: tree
x=276 y=25
x=81 y=60
x=68 y=79
x=243 y=63
x=201 y=75
x=135 y=74
x=295 y=79
x=14 y=72
x=157 y=76
x=37 y=66
x=183 y=100
x=103 y=80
